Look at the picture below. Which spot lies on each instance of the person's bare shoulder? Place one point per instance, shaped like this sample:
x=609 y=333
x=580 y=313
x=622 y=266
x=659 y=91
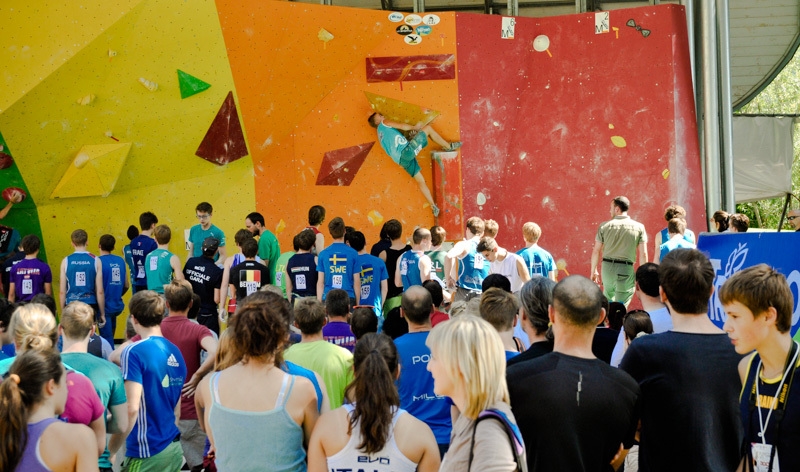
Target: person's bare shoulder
x=412 y=436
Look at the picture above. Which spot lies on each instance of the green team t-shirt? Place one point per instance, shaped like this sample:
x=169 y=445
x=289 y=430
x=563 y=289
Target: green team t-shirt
x=158 y=270
x=280 y=271
x=107 y=380
x=333 y=363
x=269 y=249
x=197 y=235
x=437 y=265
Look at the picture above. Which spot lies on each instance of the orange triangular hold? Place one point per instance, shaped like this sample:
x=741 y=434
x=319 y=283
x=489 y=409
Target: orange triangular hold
x=224 y=142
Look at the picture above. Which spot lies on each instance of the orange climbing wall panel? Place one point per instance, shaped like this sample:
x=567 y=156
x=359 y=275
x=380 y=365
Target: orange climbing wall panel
x=301 y=97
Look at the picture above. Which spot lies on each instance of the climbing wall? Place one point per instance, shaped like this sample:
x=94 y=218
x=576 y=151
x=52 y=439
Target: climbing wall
x=109 y=111
x=564 y=113
x=105 y=119
x=309 y=77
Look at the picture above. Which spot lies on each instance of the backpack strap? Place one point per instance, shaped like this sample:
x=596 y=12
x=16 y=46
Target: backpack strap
x=512 y=431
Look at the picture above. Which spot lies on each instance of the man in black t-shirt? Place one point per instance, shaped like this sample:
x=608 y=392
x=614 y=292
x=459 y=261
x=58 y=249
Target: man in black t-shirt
x=9 y=264
x=206 y=277
x=689 y=377
x=575 y=411
x=249 y=276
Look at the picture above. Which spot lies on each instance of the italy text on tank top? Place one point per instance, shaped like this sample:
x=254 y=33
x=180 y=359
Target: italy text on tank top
x=472 y=269
x=409 y=269
x=31 y=458
x=81 y=273
x=389 y=459
x=437 y=266
x=240 y=436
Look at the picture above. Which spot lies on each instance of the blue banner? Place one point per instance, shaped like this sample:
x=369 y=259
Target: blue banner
x=732 y=252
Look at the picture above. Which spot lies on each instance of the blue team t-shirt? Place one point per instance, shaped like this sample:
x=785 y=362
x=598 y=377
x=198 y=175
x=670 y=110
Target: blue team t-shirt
x=303 y=274
x=373 y=272
x=672 y=244
x=141 y=246
x=415 y=386
x=294 y=369
x=113 y=282
x=81 y=274
x=537 y=260
x=158 y=366
x=338 y=263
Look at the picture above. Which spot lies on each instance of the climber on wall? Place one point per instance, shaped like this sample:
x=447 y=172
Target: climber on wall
x=404 y=152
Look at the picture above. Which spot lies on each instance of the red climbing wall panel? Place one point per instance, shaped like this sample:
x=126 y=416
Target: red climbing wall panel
x=552 y=132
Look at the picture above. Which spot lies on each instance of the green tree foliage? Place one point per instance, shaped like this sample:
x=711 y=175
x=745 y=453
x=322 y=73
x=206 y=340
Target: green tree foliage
x=782 y=96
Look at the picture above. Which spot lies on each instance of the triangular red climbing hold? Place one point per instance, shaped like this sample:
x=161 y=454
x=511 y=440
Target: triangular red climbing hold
x=339 y=167
x=224 y=142
x=190 y=85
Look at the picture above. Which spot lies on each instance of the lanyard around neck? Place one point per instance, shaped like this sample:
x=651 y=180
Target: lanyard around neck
x=779 y=400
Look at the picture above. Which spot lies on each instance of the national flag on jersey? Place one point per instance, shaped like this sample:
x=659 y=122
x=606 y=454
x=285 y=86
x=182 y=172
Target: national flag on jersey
x=366 y=269
x=250 y=279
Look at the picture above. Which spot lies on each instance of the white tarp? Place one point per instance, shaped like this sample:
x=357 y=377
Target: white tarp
x=762 y=157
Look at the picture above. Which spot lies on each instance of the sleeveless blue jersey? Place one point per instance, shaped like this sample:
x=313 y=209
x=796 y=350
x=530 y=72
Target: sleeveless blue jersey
x=409 y=269
x=113 y=282
x=688 y=235
x=141 y=246
x=472 y=269
x=128 y=253
x=81 y=274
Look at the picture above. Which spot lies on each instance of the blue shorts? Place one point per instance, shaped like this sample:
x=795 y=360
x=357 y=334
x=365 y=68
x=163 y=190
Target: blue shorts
x=408 y=156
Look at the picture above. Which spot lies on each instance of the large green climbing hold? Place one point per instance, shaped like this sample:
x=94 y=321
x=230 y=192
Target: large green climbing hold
x=190 y=85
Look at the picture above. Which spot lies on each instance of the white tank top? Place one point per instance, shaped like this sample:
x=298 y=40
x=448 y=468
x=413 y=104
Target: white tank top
x=389 y=459
x=238 y=258
x=508 y=267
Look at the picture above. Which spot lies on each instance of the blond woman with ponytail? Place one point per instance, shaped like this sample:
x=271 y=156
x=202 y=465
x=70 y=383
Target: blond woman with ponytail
x=33 y=328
